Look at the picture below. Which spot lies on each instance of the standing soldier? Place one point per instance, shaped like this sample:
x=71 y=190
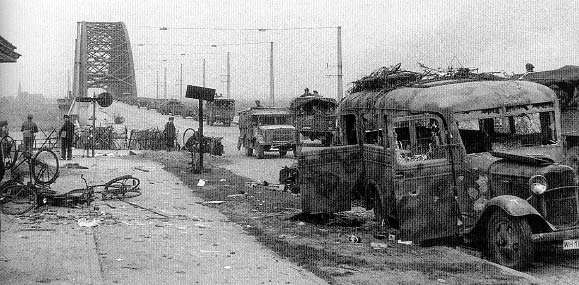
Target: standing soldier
x=3 y=129
x=170 y=133
x=67 y=139
x=28 y=129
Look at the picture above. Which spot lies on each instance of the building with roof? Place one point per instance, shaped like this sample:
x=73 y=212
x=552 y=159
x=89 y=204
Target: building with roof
x=7 y=53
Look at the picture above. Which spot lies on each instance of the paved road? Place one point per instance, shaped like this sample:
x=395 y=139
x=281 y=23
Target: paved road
x=194 y=245
x=235 y=160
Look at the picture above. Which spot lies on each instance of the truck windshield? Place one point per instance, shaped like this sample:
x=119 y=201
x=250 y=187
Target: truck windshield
x=271 y=120
x=508 y=132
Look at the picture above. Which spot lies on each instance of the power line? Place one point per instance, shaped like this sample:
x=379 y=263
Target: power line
x=239 y=29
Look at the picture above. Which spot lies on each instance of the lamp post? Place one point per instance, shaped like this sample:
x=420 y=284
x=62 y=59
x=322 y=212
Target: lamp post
x=181 y=81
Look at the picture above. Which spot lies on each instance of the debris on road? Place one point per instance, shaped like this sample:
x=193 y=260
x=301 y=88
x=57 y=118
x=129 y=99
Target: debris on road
x=141 y=169
x=83 y=222
x=354 y=239
x=378 y=245
x=216 y=202
x=406 y=242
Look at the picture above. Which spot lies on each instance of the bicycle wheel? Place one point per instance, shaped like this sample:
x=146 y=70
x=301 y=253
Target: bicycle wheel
x=45 y=166
x=120 y=186
x=120 y=192
x=8 y=152
x=17 y=199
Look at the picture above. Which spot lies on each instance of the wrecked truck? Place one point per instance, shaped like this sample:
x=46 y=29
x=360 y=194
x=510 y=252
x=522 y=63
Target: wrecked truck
x=457 y=160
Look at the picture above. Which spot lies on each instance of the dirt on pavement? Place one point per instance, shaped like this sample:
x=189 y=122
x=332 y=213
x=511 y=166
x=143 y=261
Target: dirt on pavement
x=326 y=246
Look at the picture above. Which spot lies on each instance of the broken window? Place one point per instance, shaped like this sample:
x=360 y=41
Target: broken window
x=418 y=140
x=508 y=132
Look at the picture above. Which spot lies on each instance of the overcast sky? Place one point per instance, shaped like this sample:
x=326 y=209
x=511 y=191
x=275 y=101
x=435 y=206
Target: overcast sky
x=489 y=35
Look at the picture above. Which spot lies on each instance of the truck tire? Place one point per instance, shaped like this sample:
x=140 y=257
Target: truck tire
x=248 y=151
x=282 y=152
x=572 y=158
x=260 y=151
x=295 y=151
x=509 y=240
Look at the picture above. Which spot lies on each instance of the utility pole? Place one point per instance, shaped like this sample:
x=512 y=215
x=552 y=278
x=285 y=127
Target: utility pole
x=181 y=85
x=228 y=78
x=165 y=94
x=203 y=72
x=157 y=84
x=271 y=88
x=340 y=79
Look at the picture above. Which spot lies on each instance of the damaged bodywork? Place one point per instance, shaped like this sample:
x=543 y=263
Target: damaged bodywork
x=455 y=158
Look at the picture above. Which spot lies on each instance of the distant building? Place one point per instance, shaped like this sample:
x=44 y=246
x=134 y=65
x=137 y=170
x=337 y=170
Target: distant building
x=7 y=53
x=28 y=96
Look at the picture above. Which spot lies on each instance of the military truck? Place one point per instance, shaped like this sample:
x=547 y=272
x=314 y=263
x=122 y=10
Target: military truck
x=220 y=110
x=171 y=107
x=456 y=160
x=314 y=117
x=266 y=129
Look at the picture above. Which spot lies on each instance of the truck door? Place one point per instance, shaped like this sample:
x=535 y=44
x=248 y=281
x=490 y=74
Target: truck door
x=423 y=178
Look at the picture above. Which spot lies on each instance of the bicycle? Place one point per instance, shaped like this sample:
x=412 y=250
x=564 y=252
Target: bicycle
x=17 y=199
x=43 y=166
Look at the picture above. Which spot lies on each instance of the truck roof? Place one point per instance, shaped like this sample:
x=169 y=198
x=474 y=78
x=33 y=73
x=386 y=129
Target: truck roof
x=266 y=111
x=453 y=96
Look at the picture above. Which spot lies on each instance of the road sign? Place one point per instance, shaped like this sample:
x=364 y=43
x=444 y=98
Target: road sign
x=105 y=99
x=201 y=93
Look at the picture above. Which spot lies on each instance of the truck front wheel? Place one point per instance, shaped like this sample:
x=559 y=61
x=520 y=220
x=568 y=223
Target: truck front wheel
x=509 y=240
x=260 y=151
x=248 y=151
x=282 y=152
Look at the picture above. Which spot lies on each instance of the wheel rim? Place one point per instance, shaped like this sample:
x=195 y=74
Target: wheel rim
x=17 y=199
x=45 y=167
x=505 y=241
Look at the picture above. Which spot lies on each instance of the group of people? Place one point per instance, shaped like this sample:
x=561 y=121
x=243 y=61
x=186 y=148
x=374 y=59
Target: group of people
x=29 y=130
x=307 y=93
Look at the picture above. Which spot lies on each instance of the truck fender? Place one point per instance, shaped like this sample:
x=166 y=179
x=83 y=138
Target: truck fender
x=512 y=206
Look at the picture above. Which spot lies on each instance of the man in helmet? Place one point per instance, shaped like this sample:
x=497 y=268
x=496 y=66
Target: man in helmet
x=29 y=129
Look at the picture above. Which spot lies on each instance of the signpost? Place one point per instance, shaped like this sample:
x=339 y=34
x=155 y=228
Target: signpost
x=201 y=93
x=104 y=100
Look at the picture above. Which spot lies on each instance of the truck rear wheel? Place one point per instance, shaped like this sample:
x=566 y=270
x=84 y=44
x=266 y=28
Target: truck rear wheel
x=248 y=151
x=509 y=240
x=260 y=151
x=282 y=152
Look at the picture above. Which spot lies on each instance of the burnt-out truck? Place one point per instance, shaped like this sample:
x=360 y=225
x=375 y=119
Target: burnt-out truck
x=467 y=160
x=315 y=117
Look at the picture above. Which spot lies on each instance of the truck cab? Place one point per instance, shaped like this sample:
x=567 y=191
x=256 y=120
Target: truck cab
x=461 y=158
x=266 y=129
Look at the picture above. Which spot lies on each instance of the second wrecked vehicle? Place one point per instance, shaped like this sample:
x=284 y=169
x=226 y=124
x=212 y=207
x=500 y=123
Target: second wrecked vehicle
x=266 y=129
x=315 y=118
x=448 y=159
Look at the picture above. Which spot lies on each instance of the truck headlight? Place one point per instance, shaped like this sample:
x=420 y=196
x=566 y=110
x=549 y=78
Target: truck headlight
x=538 y=184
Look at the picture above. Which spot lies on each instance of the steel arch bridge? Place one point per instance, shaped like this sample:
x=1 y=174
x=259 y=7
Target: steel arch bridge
x=103 y=59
